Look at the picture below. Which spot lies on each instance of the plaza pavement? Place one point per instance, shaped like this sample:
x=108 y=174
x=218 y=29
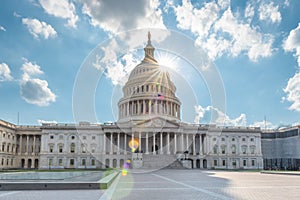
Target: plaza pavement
x=180 y=184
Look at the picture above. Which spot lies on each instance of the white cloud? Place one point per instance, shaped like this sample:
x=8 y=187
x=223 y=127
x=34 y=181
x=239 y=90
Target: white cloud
x=263 y=125
x=35 y=90
x=249 y=11
x=292 y=43
x=61 y=8
x=293 y=92
x=41 y=121
x=269 y=12
x=219 y=32
x=5 y=73
x=116 y=16
x=2 y=28
x=214 y=115
x=116 y=68
x=39 y=28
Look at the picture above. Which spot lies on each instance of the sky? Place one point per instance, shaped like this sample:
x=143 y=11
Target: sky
x=234 y=63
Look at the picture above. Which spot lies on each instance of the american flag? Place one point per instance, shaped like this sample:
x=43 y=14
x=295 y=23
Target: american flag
x=160 y=96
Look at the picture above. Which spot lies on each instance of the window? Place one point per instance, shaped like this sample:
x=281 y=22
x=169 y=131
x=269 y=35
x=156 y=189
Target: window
x=51 y=148
x=60 y=162
x=253 y=162
x=243 y=139
x=215 y=162
x=252 y=149
x=61 y=137
x=73 y=137
x=93 y=137
x=244 y=149
x=223 y=139
x=93 y=162
x=60 y=148
x=215 y=149
x=252 y=139
x=51 y=137
x=233 y=149
x=233 y=139
x=72 y=148
x=83 y=149
x=93 y=149
x=223 y=149
x=234 y=163
x=50 y=161
x=244 y=163
x=214 y=139
x=12 y=162
x=83 y=162
x=224 y=162
x=84 y=137
x=71 y=162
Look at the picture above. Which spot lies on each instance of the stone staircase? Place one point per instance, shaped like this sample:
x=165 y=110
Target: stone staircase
x=160 y=161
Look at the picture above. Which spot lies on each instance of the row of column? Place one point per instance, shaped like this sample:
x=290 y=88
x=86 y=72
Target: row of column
x=27 y=144
x=142 y=107
x=184 y=143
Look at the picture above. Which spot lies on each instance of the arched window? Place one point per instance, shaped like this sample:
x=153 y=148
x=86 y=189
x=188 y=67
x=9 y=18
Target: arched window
x=223 y=148
x=252 y=149
x=244 y=149
x=72 y=148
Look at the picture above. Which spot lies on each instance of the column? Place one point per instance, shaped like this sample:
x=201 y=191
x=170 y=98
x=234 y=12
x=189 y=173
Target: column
x=127 y=105
x=34 y=141
x=139 y=107
x=140 y=142
x=200 y=145
x=27 y=143
x=204 y=144
x=125 y=143
x=187 y=142
x=194 y=148
x=175 y=143
x=154 y=152
x=118 y=152
x=104 y=143
x=21 y=145
x=167 y=104
x=132 y=143
x=144 y=107
x=168 y=143
x=147 y=151
x=161 y=143
x=156 y=107
x=111 y=143
x=150 y=107
x=182 y=143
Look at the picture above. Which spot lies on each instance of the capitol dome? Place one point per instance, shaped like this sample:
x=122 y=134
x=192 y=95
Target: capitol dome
x=149 y=92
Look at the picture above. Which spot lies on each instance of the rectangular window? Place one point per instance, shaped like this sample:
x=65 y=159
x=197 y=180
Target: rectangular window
x=83 y=149
x=234 y=163
x=253 y=162
x=61 y=137
x=51 y=137
x=50 y=161
x=244 y=163
x=224 y=162
x=223 y=150
x=60 y=162
x=83 y=162
x=215 y=162
x=60 y=149
x=93 y=149
x=84 y=137
x=51 y=149
x=71 y=162
x=93 y=137
x=93 y=162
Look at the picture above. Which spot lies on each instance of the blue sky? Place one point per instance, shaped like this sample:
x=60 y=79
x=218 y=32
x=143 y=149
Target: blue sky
x=254 y=48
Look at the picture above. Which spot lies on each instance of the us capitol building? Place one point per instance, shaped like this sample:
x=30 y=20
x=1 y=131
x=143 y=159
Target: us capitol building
x=149 y=133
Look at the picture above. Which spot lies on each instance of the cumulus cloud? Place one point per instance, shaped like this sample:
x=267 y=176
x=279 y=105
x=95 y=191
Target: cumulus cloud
x=39 y=28
x=214 y=115
x=269 y=12
x=2 y=28
x=219 y=32
x=64 y=9
x=34 y=90
x=292 y=43
x=293 y=92
x=263 y=125
x=115 y=16
x=5 y=73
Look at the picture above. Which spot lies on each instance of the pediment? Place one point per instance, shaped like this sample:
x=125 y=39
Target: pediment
x=158 y=122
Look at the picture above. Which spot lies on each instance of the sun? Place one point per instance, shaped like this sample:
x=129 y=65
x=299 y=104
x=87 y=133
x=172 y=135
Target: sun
x=167 y=60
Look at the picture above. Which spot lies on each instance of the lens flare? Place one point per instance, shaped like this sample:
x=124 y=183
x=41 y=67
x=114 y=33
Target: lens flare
x=126 y=166
x=133 y=144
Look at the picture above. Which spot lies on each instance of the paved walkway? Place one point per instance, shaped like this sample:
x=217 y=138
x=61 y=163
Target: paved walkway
x=181 y=184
